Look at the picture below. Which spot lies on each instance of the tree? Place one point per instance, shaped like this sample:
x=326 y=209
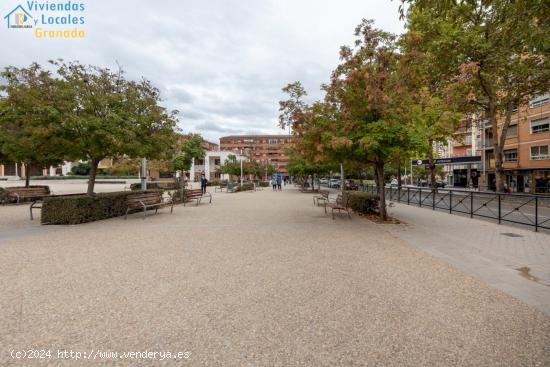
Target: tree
x=434 y=122
x=368 y=125
x=232 y=166
x=112 y=116
x=495 y=52
x=30 y=118
x=190 y=148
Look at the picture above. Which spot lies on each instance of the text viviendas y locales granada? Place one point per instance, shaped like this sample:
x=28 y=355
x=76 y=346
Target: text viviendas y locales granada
x=58 y=19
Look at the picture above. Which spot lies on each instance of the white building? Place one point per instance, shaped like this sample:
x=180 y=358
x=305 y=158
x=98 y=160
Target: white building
x=211 y=165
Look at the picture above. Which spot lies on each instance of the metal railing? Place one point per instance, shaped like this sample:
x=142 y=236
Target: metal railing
x=524 y=209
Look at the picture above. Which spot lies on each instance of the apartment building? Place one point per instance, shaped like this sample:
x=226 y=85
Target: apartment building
x=260 y=148
x=526 y=149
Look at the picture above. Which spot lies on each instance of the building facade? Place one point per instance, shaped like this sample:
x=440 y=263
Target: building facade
x=268 y=149
x=211 y=165
x=526 y=148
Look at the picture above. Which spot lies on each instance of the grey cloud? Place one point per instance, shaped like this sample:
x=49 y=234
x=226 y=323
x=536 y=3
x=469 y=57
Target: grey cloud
x=221 y=63
x=212 y=127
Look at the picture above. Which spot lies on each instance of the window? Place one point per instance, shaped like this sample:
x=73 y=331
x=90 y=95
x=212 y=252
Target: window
x=468 y=140
x=272 y=141
x=539 y=152
x=540 y=125
x=468 y=152
x=199 y=162
x=217 y=161
x=511 y=155
x=512 y=131
x=248 y=141
x=540 y=100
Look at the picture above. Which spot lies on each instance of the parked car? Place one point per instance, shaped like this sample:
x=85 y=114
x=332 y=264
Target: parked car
x=323 y=181
x=334 y=183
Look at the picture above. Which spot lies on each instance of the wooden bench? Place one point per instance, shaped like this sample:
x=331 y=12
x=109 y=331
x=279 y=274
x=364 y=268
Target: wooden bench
x=147 y=200
x=223 y=185
x=33 y=193
x=196 y=195
x=323 y=196
x=339 y=205
x=36 y=194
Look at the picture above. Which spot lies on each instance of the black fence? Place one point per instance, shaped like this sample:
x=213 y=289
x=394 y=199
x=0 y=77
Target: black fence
x=524 y=209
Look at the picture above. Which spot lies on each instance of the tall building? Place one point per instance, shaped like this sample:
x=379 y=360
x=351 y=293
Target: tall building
x=260 y=148
x=526 y=148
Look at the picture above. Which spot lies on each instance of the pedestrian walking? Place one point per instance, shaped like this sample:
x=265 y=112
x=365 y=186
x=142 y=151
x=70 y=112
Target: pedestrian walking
x=279 y=184
x=204 y=183
x=274 y=184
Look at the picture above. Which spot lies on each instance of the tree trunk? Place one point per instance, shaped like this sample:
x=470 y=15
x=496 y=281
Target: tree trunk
x=379 y=171
x=27 y=175
x=93 y=172
x=431 y=165
x=498 y=146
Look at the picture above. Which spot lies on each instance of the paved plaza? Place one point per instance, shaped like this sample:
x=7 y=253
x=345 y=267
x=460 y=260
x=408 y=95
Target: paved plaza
x=267 y=279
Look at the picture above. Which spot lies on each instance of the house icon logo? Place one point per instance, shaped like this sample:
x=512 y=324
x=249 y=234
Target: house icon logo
x=18 y=18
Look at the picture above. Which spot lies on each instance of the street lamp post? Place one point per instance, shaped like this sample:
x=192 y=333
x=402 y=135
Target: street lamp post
x=144 y=174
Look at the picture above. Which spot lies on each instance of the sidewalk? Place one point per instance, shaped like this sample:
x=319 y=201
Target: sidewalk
x=512 y=259
x=255 y=279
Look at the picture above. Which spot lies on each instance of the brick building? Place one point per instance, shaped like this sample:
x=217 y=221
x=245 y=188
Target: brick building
x=260 y=148
x=526 y=150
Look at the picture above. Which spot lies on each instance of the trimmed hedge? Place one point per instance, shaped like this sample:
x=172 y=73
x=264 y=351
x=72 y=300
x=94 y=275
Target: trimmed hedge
x=214 y=183
x=156 y=186
x=362 y=202
x=75 y=177
x=5 y=198
x=81 y=208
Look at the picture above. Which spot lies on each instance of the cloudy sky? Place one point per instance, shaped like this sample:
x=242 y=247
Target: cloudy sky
x=221 y=63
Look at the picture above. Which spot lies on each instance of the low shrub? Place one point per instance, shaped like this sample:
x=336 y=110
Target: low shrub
x=362 y=202
x=81 y=208
x=247 y=186
x=264 y=184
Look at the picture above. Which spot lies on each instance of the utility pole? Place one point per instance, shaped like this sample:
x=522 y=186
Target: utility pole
x=241 y=169
x=342 y=179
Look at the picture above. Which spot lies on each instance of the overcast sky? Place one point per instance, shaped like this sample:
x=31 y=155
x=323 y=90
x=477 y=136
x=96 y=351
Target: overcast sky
x=221 y=63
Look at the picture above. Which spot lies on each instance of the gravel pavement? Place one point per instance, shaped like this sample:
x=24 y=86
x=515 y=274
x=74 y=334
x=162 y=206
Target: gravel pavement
x=254 y=279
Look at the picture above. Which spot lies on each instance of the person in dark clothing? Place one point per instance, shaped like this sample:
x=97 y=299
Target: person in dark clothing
x=279 y=184
x=274 y=184
x=204 y=183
